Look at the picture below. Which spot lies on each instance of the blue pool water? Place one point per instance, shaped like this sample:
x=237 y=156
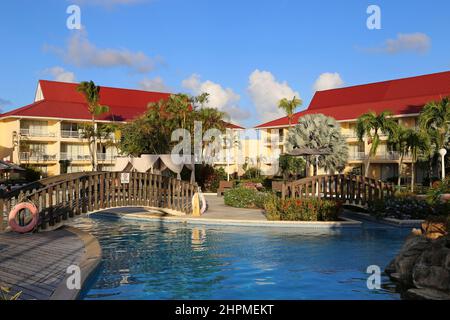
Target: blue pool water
x=156 y=260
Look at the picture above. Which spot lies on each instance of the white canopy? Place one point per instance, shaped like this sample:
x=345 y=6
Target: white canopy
x=149 y=162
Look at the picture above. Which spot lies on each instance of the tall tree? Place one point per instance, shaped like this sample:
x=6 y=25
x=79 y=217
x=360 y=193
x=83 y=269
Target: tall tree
x=317 y=131
x=416 y=142
x=91 y=94
x=371 y=125
x=398 y=141
x=289 y=106
x=434 y=120
x=151 y=132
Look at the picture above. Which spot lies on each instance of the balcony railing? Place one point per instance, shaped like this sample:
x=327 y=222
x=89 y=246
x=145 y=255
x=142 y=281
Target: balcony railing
x=349 y=134
x=391 y=155
x=36 y=133
x=270 y=140
x=74 y=157
x=106 y=157
x=71 y=134
x=36 y=157
x=357 y=156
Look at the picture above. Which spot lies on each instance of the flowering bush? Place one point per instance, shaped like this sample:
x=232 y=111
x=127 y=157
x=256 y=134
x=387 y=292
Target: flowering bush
x=242 y=197
x=302 y=209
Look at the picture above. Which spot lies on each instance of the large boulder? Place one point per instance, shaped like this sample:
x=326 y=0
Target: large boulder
x=422 y=268
x=402 y=266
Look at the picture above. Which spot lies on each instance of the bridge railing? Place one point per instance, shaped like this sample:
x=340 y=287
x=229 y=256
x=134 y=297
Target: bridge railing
x=95 y=191
x=351 y=189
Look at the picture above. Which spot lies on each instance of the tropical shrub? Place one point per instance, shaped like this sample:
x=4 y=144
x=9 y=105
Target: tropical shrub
x=435 y=193
x=291 y=166
x=31 y=174
x=407 y=206
x=252 y=173
x=301 y=209
x=242 y=197
x=206 y=176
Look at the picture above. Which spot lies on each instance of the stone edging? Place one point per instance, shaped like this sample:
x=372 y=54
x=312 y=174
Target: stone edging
x=88 y=264
x=347 y=223
x=390 y=221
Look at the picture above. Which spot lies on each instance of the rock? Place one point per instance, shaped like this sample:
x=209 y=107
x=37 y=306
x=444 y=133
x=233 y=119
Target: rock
x=447 y=262
x=432 y=277
x=390 y=268
x=406 y=259
x=426 y=294
x=422 y=268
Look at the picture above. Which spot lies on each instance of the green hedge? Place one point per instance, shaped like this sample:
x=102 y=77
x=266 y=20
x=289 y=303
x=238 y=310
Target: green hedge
x=301 y=209
x=244 y=198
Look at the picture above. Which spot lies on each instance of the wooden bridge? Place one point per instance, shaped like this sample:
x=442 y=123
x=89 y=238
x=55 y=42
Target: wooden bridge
x=67 y=196
x=354 y=190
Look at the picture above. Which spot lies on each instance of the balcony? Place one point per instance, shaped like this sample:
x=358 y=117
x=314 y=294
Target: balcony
x=349 y=135
x=391 y=155
x=106 y=157
x=36 y=133
x=74 y=157
x=273 y=139
x=71 y=134
x=357 y=156
x=36 y=157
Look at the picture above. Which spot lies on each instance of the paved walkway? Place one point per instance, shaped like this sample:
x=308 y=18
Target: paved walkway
x=218 y=210
x=36 y=264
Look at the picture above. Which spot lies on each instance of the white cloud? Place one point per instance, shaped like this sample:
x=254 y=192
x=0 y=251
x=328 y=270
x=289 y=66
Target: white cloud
x=4 y=103
x=405 y=42
x=83 y=53
x=224 y=99
x=265 y=92
x=59 y=74
x=327 y=81
x=156 y=84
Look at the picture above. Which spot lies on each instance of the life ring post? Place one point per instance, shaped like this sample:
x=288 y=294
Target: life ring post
x=12 y=221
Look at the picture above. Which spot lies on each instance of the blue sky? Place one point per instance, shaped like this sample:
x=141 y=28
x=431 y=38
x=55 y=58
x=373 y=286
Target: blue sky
x=247 y=54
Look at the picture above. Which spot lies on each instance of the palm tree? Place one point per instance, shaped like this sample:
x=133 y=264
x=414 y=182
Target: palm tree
x=371 y=125
x=398 y=140
x=434 y=120
x=417 y=143
x=91 y=93
x=317 y=131
x=289 y=107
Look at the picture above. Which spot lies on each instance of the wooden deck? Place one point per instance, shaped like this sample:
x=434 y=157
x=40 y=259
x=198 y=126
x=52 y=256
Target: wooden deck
x=36 y=264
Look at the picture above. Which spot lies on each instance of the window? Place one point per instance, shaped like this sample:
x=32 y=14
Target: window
x=67 y=126
x=34 y=128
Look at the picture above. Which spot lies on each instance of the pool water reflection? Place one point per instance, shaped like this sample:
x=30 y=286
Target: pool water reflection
x=157 y=260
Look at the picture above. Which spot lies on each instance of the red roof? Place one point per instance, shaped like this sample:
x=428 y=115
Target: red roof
x=62 y=100
x=401 y=97
x=233 y=126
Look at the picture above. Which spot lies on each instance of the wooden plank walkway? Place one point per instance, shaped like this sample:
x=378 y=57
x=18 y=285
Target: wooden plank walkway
x=36 y=264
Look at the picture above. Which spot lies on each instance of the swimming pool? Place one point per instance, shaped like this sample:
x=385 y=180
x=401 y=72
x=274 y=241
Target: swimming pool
x=160 y=260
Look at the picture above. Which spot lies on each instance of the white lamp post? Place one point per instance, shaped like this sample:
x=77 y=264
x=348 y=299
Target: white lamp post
x=443 y=152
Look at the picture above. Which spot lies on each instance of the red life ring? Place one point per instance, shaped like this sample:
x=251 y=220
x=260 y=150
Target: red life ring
x=12 y=217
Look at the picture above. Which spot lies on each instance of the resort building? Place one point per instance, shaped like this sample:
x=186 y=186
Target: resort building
x=405 y=98
x=47 y=134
